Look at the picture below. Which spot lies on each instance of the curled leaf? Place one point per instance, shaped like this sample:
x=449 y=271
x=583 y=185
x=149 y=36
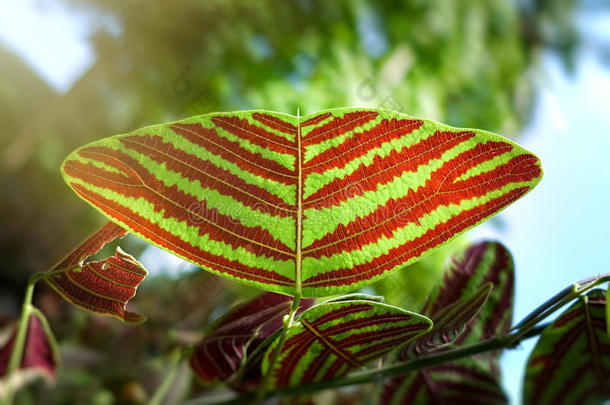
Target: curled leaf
x=103 y=286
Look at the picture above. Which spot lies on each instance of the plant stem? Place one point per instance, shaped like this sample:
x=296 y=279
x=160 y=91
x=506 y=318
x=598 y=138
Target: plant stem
x=560 y=299
x=377 y=375
x=262 y=392
x=528 y=327
x=168 y=379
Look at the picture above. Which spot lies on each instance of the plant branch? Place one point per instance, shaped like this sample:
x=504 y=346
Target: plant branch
x=528 y=327
x=377 y=375
x=560 y=299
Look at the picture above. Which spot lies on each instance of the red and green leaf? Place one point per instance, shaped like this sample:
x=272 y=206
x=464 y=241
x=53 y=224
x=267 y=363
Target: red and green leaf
x=40 y=355
x=474 y=380
x=225 y=350
x=571 y=362
x=333 y=338
x=450 y=322
x=103 y=286
x=316 y=205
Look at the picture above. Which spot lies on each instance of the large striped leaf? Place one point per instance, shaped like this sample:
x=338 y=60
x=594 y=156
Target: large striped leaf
x=225 y=349
x=333 y=338
x=473 y=380
x=571 y=362
x=315 y=205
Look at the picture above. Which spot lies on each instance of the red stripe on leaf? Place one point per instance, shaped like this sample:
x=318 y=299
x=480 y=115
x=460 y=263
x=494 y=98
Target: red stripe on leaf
x=383 y=169
x=339 y=126
x=176 y=245
x=184 y=207
x=360 y=144
x=209 y=175
x=314 y=120
x=441 y=189
x=254 y=134
x=416 y=247
x=233 y=152
x=275 y=123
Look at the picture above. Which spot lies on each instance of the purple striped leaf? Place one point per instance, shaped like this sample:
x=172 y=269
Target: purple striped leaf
x=333 y=338
x=449 y=323
x=226 y=349
x=310 y=206
x=40 y=355
x=571 y=361
x=464 y=311
x=103 y=286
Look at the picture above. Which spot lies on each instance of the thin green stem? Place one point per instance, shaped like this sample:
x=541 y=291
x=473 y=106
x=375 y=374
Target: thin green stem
x=560 y=299
x=262 y=392
x=168 y=379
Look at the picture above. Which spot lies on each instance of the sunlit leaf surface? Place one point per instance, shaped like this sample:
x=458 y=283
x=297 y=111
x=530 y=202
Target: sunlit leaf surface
x=315 y=205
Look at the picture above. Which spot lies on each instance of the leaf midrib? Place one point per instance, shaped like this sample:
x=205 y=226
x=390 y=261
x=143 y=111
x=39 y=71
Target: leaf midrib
x=299 y=213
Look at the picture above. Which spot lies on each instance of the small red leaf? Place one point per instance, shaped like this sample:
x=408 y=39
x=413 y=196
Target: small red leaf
x=103 y=286
x=40 y=357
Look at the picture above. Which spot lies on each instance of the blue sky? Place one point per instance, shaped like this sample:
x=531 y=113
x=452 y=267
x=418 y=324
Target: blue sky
x=48 y=38
x=558 y=233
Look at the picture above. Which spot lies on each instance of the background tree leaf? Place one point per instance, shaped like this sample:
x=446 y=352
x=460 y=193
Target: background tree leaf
x=103 y=286
x=221 y=354
x=333 y=338
x=571 y=361
x=476 y=379
x=318 y=205
x=40 y=355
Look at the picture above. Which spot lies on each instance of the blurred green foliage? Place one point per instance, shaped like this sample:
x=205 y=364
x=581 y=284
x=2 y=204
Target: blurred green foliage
x=466 y=63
